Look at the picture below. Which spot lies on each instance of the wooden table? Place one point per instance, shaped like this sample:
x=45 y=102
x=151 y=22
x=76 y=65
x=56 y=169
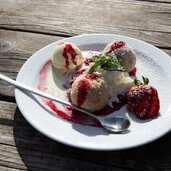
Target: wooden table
x=25 y=27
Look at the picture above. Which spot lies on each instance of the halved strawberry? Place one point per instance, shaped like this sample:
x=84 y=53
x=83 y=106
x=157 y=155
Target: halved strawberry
x=143 y=100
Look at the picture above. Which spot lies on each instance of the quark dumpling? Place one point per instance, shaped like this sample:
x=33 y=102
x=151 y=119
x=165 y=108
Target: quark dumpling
x=67 y=57
x=90 y=92
x=124 y=52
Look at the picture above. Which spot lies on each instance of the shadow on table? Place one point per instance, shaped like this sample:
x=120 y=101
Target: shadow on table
x=41 y=153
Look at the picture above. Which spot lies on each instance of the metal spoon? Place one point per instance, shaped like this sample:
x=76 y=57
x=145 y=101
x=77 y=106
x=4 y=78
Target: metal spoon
x=112 y=124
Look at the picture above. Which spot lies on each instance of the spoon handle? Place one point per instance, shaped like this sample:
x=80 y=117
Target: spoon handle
x=43 y=94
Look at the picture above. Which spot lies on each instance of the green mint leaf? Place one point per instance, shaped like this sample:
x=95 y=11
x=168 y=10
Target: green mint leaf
x=106 y=62
x=93 y=68
x=95 y=57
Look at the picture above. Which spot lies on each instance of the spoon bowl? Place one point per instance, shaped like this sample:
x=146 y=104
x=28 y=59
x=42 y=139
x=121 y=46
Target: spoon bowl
x=112 y=124
x=115 y=124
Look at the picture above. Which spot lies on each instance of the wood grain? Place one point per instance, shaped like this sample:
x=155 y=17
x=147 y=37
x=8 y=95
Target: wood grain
x=25 y=27
x=3 y=168
x=139 y=19
x=22 y=147
x=15 y=49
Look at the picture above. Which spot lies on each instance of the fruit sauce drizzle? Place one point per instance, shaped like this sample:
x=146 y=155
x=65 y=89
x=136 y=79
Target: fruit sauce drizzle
x=71 y=114
x=69 y=49
x=115 y=46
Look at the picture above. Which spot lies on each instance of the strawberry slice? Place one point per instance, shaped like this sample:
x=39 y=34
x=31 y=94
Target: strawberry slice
x=143 y=100
x=154 y=109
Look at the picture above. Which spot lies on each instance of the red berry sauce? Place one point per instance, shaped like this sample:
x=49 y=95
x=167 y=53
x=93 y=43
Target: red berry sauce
x=69 y=82
x=133 y=72
x=41 y=85
x=69 y=113
x=75 y=116
x=91 y=76
x=69 y=49
x=116 y=45
x=87 y=61
x=83 y=87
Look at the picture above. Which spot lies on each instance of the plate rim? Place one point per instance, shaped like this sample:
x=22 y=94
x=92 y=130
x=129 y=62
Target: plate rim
x=66 y=142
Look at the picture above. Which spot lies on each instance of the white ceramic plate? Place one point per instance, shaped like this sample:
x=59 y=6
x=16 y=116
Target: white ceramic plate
x=151 y=62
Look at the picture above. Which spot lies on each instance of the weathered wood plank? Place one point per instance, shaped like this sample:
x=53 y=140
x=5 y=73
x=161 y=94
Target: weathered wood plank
x=167 y=51
x=157 y=1
x=33 y=160
x=22 y=147
x=4 y=168
x=139 y=19
x=15 y=49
